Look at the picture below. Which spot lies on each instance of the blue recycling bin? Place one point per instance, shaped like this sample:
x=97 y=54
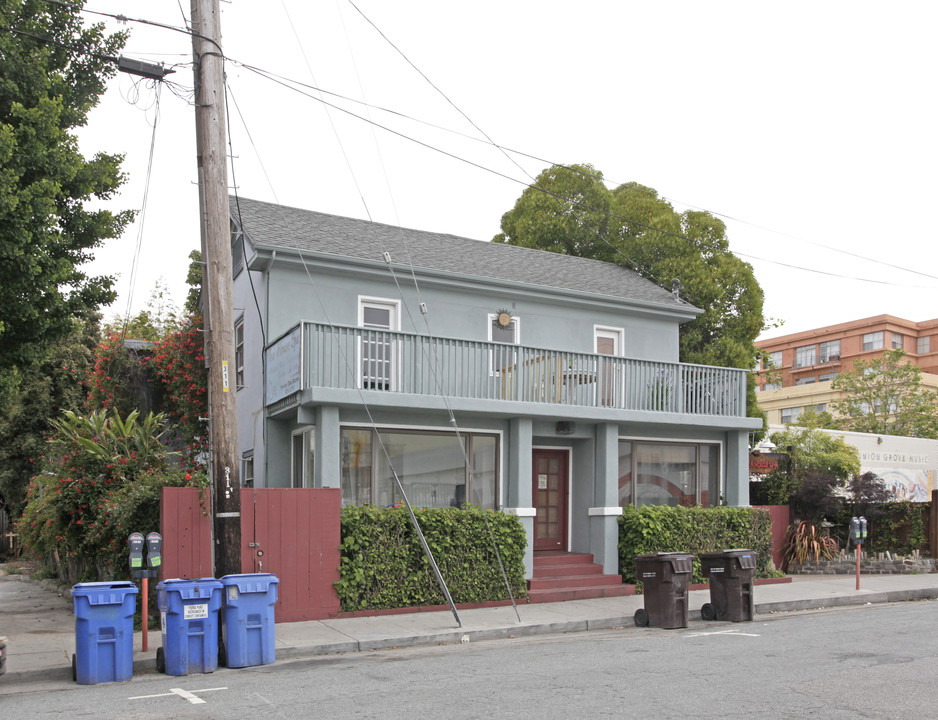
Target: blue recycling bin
x=247 y=627
x=104 y=632
x=189 y=623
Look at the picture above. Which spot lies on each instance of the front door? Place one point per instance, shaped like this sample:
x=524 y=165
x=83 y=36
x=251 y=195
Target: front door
x=550 y=499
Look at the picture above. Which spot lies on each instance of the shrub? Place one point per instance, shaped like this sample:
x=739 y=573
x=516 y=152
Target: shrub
x=99 y=482
x=383 y=564
x=693 y=530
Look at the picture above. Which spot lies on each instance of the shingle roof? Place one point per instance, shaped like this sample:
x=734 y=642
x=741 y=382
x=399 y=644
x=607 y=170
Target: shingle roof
x=271 y=226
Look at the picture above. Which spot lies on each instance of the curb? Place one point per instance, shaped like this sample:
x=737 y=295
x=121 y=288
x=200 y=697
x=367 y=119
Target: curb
x=146 y=665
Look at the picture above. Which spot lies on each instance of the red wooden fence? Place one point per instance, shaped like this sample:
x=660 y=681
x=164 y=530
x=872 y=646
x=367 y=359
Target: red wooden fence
x=291 y=533
x=781 y=518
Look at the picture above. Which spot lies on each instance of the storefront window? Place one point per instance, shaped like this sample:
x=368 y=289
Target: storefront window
x=668 y=474
x=430 y=466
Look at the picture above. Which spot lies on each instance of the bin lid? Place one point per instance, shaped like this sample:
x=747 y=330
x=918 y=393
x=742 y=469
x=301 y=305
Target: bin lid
x=250 y=582
x=190 y=589
x=104 y=593
x=680 y=562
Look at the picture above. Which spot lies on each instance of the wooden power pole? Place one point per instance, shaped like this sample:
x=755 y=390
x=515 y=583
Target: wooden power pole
x=218 y=320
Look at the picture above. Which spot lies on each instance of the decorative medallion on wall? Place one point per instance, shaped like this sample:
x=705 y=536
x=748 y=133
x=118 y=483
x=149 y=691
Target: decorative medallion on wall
x=503 y=318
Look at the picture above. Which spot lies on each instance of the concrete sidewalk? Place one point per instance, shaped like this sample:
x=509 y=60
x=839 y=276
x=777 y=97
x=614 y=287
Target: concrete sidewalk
x=36 y=618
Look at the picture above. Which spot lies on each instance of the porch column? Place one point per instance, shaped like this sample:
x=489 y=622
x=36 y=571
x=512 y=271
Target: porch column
x=327 y=470
x=737 y=469
x=519 y=499
x=604 y=514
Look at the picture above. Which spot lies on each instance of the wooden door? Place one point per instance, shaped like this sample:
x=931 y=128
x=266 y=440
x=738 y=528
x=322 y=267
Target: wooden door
x=550 y=499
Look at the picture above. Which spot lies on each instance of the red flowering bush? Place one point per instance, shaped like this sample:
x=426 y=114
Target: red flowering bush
x=99 y=482
x=178 y=362
x=116 y=371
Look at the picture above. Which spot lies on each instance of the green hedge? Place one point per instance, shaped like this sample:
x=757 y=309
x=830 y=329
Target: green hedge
x=693 y=530
x=384 y=566
x=896 y=527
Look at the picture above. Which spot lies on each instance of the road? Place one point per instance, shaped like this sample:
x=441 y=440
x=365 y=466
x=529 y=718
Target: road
x=869 y=662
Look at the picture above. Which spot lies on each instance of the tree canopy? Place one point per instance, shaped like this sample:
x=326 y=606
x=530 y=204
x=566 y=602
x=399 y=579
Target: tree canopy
x=568 y=209
x=885 y=395
x=52 y=73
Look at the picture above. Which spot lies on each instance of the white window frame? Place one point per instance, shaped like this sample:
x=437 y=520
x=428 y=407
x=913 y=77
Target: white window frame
x=515 y=324
x=239 y=352
x=307 y=437
x=873 y=341
x=365 y=301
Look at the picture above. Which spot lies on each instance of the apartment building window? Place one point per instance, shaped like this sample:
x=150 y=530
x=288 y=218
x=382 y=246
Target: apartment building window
x=826 y=377
x=772 y=386
x=898 y=341
x=873 y=341
x=805 y=356
x=829 y=351
x=810 y=380
x=773 y=360
x=790 y=415
x=923 y=345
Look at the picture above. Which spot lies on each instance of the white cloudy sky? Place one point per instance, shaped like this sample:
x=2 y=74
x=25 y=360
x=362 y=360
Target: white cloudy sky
x=809 y=126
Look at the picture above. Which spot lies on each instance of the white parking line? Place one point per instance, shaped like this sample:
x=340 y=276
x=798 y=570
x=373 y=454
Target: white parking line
x=723 y=632
x=189 y=695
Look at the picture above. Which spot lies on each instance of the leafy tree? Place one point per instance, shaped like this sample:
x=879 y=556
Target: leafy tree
x=885 y=395
x=819 y=460
x=158 y=318
x=42 y=392
x=569 y=210
x=52 y=73
x=194 y=281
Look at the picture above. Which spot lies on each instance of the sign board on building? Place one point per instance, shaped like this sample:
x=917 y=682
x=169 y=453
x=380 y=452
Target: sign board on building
x=284 y=361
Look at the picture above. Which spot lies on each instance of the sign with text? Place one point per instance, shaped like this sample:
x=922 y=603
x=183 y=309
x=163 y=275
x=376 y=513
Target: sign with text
x=284 y=366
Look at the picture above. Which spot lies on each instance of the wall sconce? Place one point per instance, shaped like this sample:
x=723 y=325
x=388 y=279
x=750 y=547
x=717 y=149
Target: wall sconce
x=565 y=427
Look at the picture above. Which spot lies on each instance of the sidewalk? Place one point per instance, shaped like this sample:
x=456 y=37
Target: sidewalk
x=37 y=620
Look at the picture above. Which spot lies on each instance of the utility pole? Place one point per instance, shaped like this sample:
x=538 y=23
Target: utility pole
x=218 y=320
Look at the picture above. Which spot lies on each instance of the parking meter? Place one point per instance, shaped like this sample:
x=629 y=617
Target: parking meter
x=154 y=550
x=862 y=529
x=135 y=541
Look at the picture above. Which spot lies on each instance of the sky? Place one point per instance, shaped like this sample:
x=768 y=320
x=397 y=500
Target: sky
x=808 y=127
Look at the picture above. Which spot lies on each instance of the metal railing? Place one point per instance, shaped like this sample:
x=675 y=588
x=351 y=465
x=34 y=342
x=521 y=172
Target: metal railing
x=344 y=357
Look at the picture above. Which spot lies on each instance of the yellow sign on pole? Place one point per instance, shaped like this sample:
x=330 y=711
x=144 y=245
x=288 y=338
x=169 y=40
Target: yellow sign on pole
x=224 y=375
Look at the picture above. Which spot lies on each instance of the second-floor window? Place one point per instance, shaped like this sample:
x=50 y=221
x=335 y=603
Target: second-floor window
x=503 y=328
x=829 y=351
x=923 y=345
x=805 y=356
x=898 y=341
x=873 y=341
x=805 y=380
x=377 y=349
x=239 y=354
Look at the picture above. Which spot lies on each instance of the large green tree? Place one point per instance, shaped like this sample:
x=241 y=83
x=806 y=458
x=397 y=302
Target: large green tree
x=43 y=392
x=569 y=209
x=53 y=70
x=885 y=395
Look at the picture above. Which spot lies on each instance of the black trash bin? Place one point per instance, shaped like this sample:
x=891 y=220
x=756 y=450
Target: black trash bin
x=731 y=574
x=665 y=577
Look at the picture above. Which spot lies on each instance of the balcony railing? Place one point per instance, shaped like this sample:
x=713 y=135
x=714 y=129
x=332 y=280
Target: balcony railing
x=353 y=358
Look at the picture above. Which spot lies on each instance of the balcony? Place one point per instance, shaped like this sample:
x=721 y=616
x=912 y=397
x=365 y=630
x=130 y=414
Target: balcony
x=317 y=356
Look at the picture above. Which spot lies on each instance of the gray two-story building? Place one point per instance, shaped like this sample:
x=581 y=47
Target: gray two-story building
x=378 y=359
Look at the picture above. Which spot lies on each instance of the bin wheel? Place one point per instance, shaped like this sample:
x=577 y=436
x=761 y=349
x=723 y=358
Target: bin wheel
x=74 y=669
x=708 y=612
x=160 y=660
x=641 y=617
